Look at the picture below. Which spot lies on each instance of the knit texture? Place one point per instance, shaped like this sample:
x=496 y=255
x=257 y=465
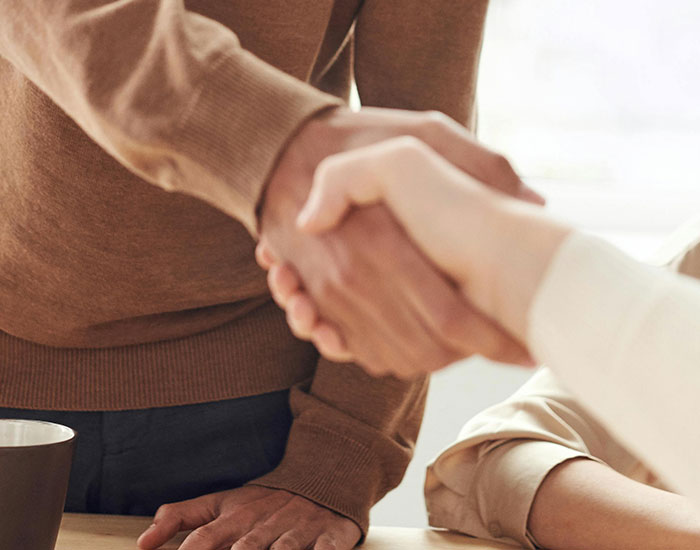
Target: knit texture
x=137 y=140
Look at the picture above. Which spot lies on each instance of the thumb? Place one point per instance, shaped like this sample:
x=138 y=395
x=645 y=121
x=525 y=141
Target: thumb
x=170 y=519
x=341 y=181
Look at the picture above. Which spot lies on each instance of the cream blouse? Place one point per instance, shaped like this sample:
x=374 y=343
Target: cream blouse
x=622 y=345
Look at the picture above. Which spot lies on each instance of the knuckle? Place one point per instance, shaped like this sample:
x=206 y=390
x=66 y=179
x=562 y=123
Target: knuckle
x=434 y=122
x=406 y=146
x=166 y=510
x=438 y=117
x=251 y=541
x=295 y=329
x=408 y=152
x=373 y=369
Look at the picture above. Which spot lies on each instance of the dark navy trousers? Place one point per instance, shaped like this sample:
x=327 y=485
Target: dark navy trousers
x=131 y=462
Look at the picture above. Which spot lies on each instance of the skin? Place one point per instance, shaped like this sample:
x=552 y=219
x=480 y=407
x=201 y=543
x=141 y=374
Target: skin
x=250 y=518
x=476 y=228
x=390 y=301
x=391 y=304
x=583 y=504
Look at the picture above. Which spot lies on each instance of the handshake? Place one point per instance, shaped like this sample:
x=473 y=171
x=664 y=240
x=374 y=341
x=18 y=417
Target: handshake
x=396 y=241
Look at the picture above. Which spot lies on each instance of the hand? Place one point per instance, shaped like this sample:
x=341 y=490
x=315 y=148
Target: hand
x=393 y=308
x=307 y=324
x=251 y=518
x=302 y=314
x=415 y=183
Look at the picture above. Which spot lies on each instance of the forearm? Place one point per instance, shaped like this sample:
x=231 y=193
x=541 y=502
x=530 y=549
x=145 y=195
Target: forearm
x=351 y=440
x=496 y=247
x=583 y=504
x=165 y=91
x=514 y=249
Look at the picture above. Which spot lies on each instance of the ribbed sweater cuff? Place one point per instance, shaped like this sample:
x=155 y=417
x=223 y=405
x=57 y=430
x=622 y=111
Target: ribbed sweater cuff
x=330 y=469
x=230 y=137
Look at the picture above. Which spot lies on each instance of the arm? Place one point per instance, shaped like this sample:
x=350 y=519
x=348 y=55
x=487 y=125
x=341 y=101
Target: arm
x=172 y=103
x=632 y=344
x=584 y=504
x=539 y=470
x=636 y=330
x=410 y=54
x=351 y=440
x=163 y=90
x=463 y=227
x=388 y=411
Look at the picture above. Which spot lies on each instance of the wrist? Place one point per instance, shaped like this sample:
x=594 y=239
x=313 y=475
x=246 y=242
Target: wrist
x=521 y=244
x=289 y=183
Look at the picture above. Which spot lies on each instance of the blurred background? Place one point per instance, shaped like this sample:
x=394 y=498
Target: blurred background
x=597 y=104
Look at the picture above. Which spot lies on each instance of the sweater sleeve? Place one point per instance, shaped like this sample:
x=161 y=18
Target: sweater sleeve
x=485 y=484
x=351 y=439
x=411 y=54
x=353 y=435
x=630 y=352
x=167 y=92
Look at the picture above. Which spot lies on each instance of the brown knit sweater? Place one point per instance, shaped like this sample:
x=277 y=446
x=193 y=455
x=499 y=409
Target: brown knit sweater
x=118 y=293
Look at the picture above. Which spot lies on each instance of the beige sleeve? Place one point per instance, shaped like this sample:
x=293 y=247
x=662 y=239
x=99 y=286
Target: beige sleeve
x=485 y=483
x=631 y=352
x=168 y=93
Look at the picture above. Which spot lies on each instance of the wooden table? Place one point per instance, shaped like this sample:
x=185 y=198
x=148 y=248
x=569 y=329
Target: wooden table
x=96 y=532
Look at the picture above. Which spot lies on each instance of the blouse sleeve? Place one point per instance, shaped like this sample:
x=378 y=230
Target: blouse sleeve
x=625 y=339
x=484 y=484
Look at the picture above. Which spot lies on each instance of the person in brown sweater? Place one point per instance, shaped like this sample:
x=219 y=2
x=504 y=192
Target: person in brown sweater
x=146 y=145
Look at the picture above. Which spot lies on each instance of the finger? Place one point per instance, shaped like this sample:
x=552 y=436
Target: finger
x=218 y=534
x=470 y=332
x=340 y=181
x=301 y=315
x=283 y=282
x=396 y=339
x=445 y=313
x=326 y=542
x=264 y=256
x=339 y=539
x=294 y=540
x=259 y=538
x=173 y=518
x=330 y=343
x=459 y=147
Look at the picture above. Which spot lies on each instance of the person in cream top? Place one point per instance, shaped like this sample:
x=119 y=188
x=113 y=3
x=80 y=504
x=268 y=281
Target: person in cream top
x=620 y=336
